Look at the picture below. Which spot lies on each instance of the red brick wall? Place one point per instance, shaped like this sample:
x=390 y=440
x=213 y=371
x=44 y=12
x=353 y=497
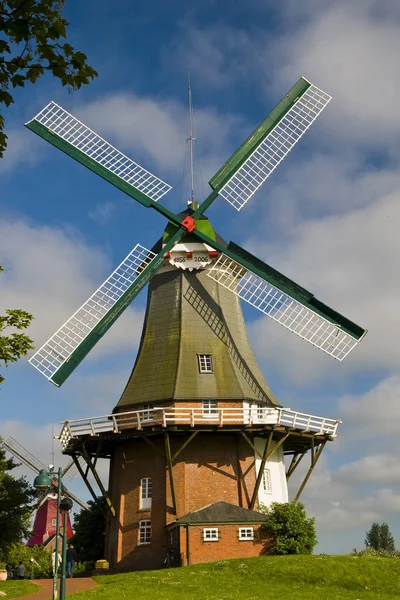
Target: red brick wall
x=228 y=544
x=213 y=467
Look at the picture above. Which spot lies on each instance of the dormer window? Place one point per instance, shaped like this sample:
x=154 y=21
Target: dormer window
x=205 y=363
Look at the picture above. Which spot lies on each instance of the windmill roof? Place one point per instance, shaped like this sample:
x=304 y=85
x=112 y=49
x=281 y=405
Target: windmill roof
x=221 y=513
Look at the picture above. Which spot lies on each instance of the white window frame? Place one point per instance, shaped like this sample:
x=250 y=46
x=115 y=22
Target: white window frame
x=210 y=534
x=146 y=493
x=246 y=534
x=260 y=411
x=210 y=409
x=147 y=414
x=205 y=363
x=266 y=481
x=54 y=522
x=144 y=533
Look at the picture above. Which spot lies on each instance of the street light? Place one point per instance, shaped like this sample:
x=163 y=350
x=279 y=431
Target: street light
x=44 y=481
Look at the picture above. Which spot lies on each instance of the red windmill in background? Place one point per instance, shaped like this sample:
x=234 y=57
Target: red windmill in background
x=44 y=527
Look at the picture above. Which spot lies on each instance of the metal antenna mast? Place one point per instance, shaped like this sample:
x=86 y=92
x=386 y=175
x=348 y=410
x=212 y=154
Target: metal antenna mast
x=191 y=139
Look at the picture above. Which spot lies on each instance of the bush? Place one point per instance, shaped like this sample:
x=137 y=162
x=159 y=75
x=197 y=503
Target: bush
x=290 y=529
x=20 y=552
x=368 y=551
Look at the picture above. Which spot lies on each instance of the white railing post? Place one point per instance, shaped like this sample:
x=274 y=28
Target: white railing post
x=164 y=422
x=221 y=417
x=192 y=417
x=114 y=420
x=91 y=427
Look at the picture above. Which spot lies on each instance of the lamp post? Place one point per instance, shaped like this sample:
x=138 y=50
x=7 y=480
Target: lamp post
x=44 y=481
x=64 y=507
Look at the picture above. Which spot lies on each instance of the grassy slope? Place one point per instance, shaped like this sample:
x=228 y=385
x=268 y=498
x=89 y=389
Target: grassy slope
x=14 y=589
x=276 y=577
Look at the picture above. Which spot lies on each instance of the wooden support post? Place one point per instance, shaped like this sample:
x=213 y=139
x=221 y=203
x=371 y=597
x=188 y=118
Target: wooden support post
x=171 y=476
x=84 y=477
x=86 y=456
x=146 y=439
x=250 y=443
x=177 y=453
x=260 y=472
x=314 y=459
x=295 y=462
x=268 y=452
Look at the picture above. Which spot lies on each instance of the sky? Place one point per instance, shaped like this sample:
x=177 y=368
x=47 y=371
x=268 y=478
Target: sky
x=328 y=217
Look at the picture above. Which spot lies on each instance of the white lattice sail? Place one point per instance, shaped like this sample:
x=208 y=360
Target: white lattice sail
x=69 y=129
x=56 y=351
x=273 y=149
x=285 y=310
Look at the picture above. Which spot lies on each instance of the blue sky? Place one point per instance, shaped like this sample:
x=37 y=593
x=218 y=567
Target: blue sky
x=328 y=217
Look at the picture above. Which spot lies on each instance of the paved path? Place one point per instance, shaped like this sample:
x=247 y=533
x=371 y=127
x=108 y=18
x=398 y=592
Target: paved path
x=74 y=585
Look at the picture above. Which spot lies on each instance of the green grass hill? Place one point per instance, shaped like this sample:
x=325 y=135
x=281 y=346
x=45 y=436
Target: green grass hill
x=271 y=577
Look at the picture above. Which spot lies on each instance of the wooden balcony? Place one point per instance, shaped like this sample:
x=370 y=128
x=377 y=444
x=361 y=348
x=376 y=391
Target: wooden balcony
x=194 y=417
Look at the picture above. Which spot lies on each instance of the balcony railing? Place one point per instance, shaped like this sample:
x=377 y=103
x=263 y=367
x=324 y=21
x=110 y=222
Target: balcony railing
x=140 y=419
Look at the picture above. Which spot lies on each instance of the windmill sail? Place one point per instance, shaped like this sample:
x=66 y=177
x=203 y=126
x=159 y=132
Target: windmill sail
x=249 y=167
x=93 y=318
x=67 y=133
x=285 y=302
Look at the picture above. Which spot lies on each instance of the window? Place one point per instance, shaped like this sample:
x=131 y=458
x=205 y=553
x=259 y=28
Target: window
x=54 y=522
x=246 y=533
x=260 y=411
x=266 y=481
x=147 y=414
x=144 y=532
x=145 y=492
x=205 y=363
x=210 y=534
x=210 y=408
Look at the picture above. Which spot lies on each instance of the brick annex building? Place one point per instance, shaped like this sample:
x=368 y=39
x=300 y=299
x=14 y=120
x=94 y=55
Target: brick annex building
x=197 y=440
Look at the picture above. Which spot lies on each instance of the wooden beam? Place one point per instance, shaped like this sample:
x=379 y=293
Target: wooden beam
x=268 y=452
x=146 y=439
x=295 y=462
x=177 y=453
x=87 y=457
x=261 y=471
x=250 y=443
x=314 y=459
x=84 y=477
x=171 y=476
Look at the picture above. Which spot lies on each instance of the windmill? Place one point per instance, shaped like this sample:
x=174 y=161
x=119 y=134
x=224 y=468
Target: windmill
x=252 y=280
x=197 y=440
x=45 y=520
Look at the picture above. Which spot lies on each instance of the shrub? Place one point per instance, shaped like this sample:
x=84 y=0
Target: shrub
x=290 y=529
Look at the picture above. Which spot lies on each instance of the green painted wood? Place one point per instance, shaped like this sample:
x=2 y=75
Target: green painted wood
x=286 y=285
x=259 y=134
x=94 y=166
x=104 y=325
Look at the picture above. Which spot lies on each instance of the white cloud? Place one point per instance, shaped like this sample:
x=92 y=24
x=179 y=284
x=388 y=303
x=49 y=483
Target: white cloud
x=50 y=272
x=347 y=50
x=23 y=148
x=103 y=213
x=377 y=469
x=153 y=131
x=376 y=412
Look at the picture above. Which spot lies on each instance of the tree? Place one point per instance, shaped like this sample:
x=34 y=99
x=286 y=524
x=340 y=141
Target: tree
x=16 y=498
x=89 y=526
x=31 y=44
x=13 y=346
x=379 y=537
x=288 y=530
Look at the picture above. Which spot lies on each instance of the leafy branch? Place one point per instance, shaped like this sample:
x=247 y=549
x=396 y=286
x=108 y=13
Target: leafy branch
x=32 y=44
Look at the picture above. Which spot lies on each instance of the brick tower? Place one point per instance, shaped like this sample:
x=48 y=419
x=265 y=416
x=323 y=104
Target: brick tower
x=197 y=440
